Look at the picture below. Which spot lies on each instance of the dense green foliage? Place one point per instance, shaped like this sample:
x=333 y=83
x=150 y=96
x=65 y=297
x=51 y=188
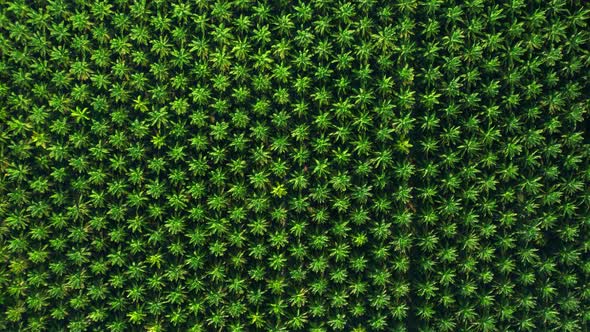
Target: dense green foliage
x=324 y=165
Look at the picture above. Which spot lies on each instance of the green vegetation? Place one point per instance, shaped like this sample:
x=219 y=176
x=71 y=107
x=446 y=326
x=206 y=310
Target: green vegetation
x=323 y=165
